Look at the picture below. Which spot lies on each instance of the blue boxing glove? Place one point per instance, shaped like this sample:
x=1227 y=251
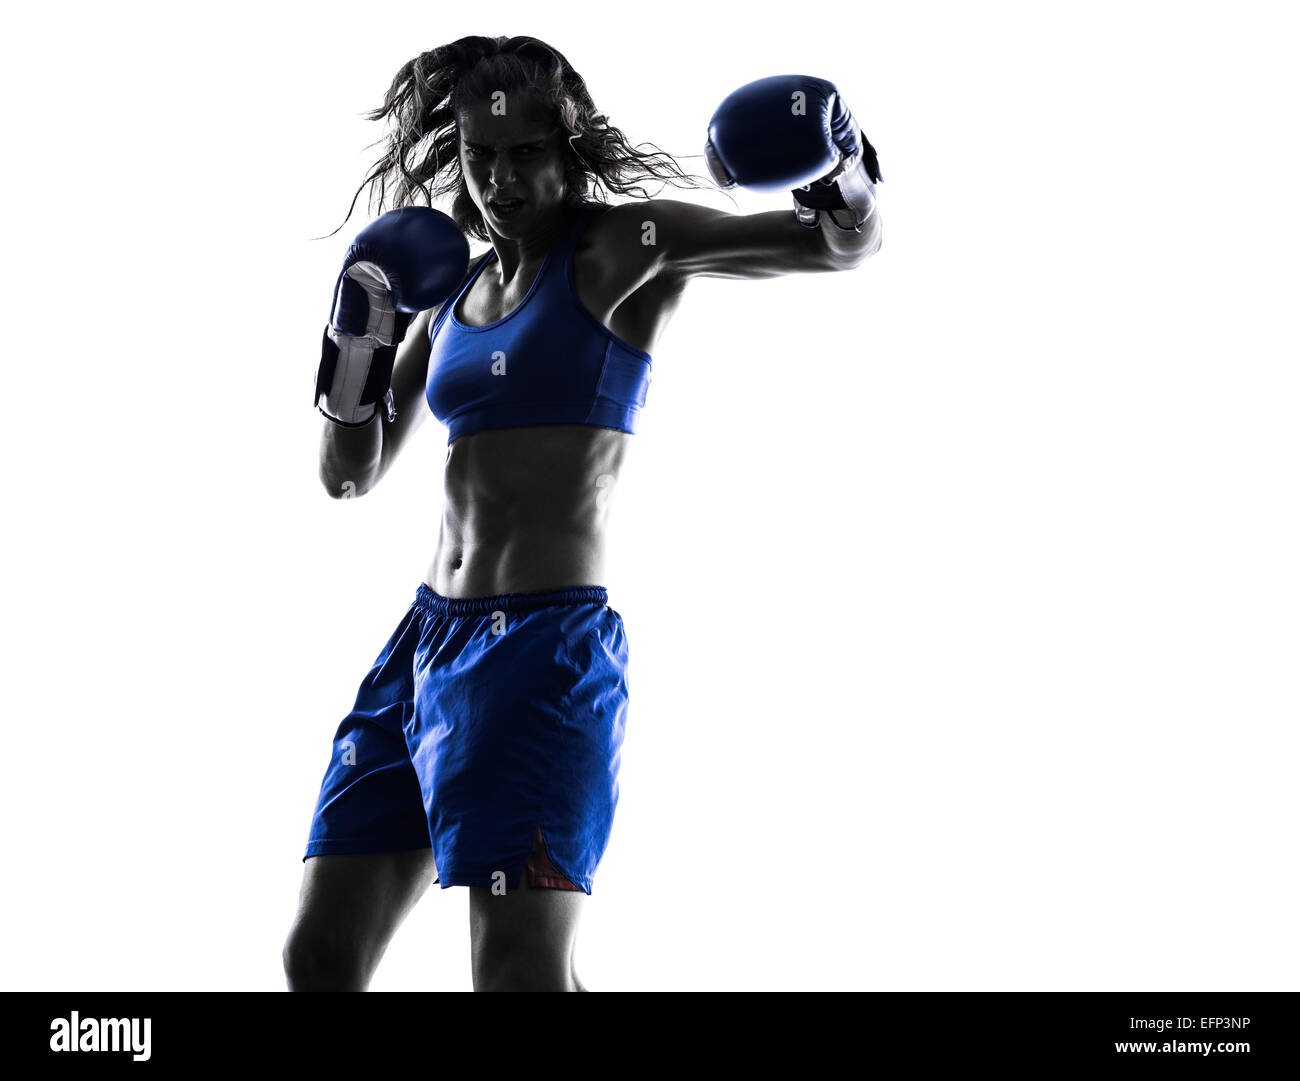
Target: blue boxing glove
x=795 y=132
x=403 y=262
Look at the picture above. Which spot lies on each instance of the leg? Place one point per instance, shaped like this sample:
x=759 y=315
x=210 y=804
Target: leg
x=348 y=911
x=523 y=940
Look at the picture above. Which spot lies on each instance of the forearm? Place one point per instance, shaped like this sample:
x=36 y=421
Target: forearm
x=847 y=248
x=351 y=458
x=405 y=262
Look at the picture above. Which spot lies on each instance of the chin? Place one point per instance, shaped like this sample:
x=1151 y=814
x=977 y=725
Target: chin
x=506 y=226
x=529 y=217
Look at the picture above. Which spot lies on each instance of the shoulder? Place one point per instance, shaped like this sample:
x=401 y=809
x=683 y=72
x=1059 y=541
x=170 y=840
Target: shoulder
x=609 y=238
x=645 y=215
x=633 y=239
x=669 y=227
x=476 y=263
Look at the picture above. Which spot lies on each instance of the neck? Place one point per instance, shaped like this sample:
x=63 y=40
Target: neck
x=514 y=253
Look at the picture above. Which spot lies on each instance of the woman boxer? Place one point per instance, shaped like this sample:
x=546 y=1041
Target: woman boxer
x=484 y=744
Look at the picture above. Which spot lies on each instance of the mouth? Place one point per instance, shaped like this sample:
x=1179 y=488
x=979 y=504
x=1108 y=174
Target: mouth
x=505 y=208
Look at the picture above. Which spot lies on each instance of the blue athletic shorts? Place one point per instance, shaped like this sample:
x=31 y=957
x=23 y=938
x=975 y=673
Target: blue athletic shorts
x=482 y=721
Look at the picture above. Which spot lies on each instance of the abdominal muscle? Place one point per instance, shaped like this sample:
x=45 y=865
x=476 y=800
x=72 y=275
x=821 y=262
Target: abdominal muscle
x=524 y=510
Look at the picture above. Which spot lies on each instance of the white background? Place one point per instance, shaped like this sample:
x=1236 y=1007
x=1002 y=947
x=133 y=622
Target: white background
x=960 y=590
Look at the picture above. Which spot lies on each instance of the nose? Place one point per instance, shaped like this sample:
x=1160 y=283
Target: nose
x=502 y=171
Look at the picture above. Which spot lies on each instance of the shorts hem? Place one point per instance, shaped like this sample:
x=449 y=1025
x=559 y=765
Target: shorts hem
x=482 y=879
x=361 y=845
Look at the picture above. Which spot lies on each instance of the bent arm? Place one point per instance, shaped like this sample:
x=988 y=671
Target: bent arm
x=354 y=460
x=696 y=241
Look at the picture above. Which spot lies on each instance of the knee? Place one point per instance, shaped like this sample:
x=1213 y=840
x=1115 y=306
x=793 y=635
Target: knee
x=316 y=962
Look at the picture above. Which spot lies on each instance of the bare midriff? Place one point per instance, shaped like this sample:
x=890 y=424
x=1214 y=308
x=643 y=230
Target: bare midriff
x=524 y=510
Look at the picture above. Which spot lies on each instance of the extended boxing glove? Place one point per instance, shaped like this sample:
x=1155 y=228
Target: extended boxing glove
x=403 y=262
x=795 y=132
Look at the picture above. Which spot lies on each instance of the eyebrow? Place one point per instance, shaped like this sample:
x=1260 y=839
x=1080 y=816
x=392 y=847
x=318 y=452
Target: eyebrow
x=539 y=141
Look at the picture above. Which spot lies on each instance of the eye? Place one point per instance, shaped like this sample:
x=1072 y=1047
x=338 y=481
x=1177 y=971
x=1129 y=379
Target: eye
x=476 y=153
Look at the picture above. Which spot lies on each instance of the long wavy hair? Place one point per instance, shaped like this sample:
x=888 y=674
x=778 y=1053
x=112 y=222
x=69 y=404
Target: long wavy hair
x=422 y=150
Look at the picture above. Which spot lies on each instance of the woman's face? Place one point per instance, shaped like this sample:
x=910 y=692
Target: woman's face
x=512 y=158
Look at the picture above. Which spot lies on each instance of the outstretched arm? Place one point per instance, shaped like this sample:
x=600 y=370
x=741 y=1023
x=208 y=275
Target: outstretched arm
x=696 y=241
x=786 y=133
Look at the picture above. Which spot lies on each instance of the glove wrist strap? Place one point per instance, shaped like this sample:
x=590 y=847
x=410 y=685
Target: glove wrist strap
x=847 y=195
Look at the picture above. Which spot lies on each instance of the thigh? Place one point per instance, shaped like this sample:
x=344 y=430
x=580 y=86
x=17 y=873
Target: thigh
x=351 y=905
x=523 y=940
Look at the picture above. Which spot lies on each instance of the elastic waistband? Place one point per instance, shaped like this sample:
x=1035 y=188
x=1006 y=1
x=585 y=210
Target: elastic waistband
x=438 y=605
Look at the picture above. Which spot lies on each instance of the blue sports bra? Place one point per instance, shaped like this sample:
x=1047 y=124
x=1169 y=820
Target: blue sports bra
x=549 y=361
